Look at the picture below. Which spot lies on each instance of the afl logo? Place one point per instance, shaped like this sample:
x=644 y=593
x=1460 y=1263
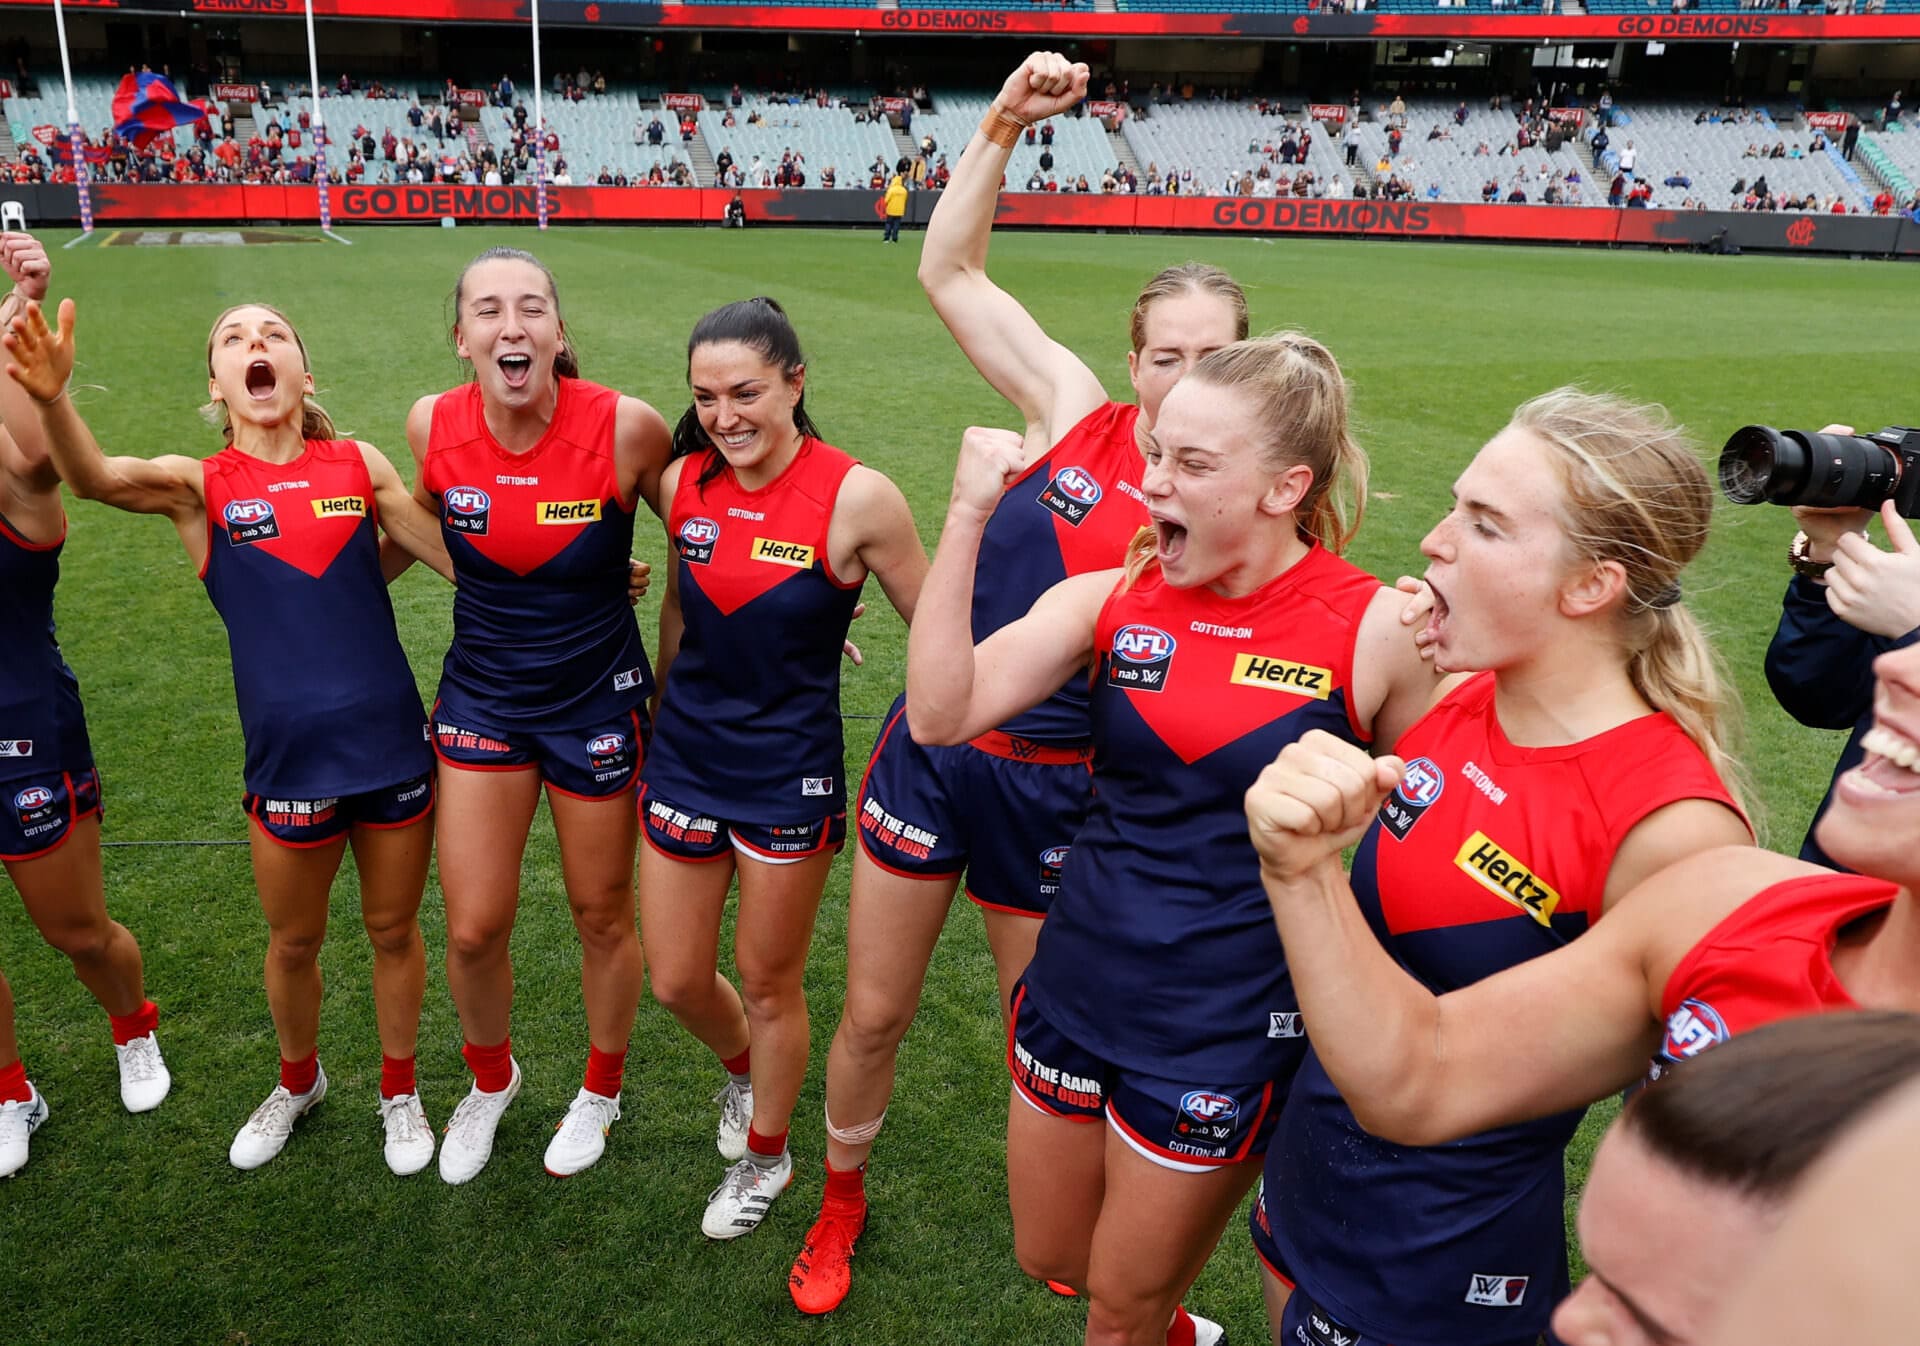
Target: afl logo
x=247 y=511
x=1072 y=494
x=1422 y=783
x=467 y=509
x=249 y=521
x=1054 y=856
x=1142 y=656
x=607 y=744
x=1205 y=1106
x=33 y=797
x=1143 y=644
x=1691 y=1029
x=696 y=540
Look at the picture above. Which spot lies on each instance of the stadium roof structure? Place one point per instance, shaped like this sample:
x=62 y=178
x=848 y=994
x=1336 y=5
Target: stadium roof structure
x=1141 y=18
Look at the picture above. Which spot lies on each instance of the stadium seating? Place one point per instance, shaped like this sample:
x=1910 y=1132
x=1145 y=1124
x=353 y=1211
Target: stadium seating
x=828 y=137
x=596 y=132
x=1212 y=139
x=1080 y=144
x=1666 y=140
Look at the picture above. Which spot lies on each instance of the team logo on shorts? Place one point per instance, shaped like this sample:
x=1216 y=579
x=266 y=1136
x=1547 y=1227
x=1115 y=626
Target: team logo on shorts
x=1691 y=1029
x=1206 y=1121
x=816 y=787
x=1323 y=1329
x=608 y=750
x=696 y=540
x=1497 y=1292
x=249 y=521
x=1417 y=791
x=16 y=747
x=1141 y=657
x=1286 y=1024
x=34 y=803
x=1051 y=860
x=467 y=508
x=1071 y=494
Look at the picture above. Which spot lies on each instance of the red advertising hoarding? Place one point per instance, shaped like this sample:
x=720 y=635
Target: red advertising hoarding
x=1327 y=112
x=683 y=102
x=1829 y=121
x=1567 y=116
x=236 y=93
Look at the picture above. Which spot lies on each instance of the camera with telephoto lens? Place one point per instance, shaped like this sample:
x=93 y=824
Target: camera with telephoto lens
x=1761 y=465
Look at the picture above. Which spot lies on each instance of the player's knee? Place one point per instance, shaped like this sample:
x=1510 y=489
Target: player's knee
x=873 y=1026
x=393 y=937
x=1123 y=1315
x=768 y=993
x=1045 y=1260
x=82 y=942
x=605 y=926
x=294 y=950
x=475 y=941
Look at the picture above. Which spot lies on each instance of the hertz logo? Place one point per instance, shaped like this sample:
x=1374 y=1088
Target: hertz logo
x=567 y=511
x=1499 y=872
x=1282 y=675
x=782 y=553
x=338 y=505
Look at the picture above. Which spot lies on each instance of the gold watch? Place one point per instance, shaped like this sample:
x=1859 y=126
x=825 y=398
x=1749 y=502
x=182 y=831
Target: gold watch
x=1803 y=564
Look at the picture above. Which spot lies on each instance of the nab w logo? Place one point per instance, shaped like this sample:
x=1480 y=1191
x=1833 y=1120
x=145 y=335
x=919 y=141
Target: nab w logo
x=466 y=510
x=1072 y=494
x=249 y=521
x=1497 y=1292
x=1142 y=656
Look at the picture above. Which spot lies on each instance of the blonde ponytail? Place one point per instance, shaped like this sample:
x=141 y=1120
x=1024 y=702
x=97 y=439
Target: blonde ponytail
x=1638 y=496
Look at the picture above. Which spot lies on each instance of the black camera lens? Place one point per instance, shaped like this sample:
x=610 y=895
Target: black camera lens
x=1760 y=463
x=1801 y=467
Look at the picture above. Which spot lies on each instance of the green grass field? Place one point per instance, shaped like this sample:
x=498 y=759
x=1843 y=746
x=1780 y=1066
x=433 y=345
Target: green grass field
x=137 y=1230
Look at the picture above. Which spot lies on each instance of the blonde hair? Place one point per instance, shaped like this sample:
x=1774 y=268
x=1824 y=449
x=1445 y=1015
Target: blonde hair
x=1299 y=400
x=1637 y=495
x=315 y=423
x=1188 y=278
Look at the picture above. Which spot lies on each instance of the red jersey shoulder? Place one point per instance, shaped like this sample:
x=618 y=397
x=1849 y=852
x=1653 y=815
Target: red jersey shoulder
x=302 y=513
x=738 y=544
x=1232 y=666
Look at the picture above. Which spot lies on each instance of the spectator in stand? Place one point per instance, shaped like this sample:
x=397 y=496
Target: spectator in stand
x=599 y=84
x=656 y=131
x=1678 y=178
x=1046 y=132
x=1617 y=190
x=895 y=207
x=1849 y=138
x=1352 y=141
x=1883 y=203
x=1397 y=112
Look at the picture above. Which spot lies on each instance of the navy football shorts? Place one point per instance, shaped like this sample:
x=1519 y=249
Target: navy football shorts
x=597 y=762
x=1001 y=808
x=1190 y=1126
x=1306 y=1322
x=682 y=833
x=42 y=808
x=315 y=822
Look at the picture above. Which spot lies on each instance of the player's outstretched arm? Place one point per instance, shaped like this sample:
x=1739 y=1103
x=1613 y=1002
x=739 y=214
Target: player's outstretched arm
x=1050 y=385
x=41 y=362
x=404 y=519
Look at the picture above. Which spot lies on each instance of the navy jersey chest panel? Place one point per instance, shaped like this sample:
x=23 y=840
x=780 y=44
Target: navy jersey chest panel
x=1073 y=511
x=540 y=543
x=750 y=724
x=1160 y=950
x=327 y=699
x=41 y=723
x=1486 y=856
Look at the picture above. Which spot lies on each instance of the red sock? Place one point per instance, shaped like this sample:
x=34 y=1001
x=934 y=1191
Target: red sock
x=396 y=1076
x=767 y=1147
x=737 y=1065
x=1180 y=1331
x=297 y=1077
x=492 y=1067
x=127 y=1027
x=13 y=1083
x=848 y=1185
x=604 y=1071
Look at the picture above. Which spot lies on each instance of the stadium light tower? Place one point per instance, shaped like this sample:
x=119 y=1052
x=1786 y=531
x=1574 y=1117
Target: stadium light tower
x=75 y=146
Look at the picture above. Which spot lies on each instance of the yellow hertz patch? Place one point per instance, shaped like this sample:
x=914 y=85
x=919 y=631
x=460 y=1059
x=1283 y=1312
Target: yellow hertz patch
x=1282 y=675
x=1497 y=871
x=340 y=504
x=782 y=553
x=567 y=511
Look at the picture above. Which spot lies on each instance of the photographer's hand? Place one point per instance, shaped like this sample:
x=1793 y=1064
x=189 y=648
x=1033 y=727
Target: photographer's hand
x=1825 y=527
x=1877 y=591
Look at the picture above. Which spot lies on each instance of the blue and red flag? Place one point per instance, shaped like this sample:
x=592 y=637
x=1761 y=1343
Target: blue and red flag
x=146 y=104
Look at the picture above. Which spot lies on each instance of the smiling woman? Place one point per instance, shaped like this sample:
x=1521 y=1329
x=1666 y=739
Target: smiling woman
x=536 y=475
x=281 y=525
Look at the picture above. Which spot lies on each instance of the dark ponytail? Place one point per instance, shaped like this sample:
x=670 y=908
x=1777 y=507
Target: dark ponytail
x=761 y=325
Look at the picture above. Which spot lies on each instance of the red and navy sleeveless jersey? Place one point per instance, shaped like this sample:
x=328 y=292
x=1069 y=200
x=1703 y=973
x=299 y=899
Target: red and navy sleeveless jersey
x=42 y=727
x=1160 y=952
x=749 y=726
x=328 y=705
x=1772 y=958
x=1488 y=854
x=1074 y=510
x=543 y=635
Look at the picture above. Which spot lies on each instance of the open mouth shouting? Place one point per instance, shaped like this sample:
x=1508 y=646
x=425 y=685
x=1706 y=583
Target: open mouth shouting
x=262 y=381
x=1171 y=537
x=1891 y=765
x=516 y=369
